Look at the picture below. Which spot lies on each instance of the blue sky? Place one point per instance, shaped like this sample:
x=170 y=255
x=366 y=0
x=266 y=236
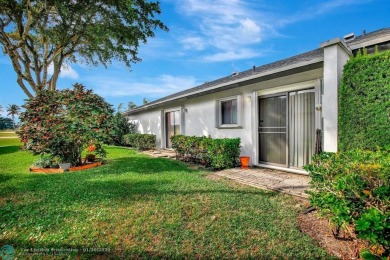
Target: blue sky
x=209 y=39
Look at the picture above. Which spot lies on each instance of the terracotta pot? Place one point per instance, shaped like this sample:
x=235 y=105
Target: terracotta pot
x=245 y=161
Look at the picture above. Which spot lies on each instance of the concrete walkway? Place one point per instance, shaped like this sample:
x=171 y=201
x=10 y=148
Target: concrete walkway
x=290 y=183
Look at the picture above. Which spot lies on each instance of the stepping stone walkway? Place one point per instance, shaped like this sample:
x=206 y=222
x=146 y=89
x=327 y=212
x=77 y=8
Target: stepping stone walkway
x=290 y=183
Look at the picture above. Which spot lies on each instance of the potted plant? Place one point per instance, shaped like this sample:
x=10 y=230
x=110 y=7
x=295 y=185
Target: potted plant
x=64 y=166
x=245 y=161
x=90 y=157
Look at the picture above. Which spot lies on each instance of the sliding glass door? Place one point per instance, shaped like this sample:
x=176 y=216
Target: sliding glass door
x=301 y=127
x=172 y=126
x=287 y=128
x=273 y=129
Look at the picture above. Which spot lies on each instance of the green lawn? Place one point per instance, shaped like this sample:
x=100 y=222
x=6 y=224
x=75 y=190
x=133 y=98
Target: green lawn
x=141 y=207
x=7 y=134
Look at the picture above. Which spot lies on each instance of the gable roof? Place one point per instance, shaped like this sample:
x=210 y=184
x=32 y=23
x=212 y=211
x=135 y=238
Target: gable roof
x=232 y=81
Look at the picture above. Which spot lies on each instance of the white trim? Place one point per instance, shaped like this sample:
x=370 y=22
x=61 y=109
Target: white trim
x=297 y=171
x=301 y=86
x=287 y=88
x=239 y=111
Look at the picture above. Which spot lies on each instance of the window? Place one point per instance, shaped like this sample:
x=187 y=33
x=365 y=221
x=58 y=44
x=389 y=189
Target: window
x=228 y=112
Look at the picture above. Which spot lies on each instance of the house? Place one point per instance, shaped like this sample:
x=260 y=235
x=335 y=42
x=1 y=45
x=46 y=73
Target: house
x=275 y=109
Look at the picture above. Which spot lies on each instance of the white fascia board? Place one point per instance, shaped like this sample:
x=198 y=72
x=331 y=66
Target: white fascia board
x=370 y=42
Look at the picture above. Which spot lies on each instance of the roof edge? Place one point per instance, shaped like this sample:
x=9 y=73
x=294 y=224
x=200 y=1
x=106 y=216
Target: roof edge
x=259 y=75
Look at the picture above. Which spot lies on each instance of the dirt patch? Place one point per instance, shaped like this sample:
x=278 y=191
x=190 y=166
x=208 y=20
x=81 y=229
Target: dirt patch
x=346 y=246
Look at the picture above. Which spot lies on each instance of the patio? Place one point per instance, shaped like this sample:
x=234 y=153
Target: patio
x=293 y=184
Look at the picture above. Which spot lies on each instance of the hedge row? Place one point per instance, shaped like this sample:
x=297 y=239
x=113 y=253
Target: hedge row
x=213 y=153
x=140 y=141
x=364 y=102
x=352 y=189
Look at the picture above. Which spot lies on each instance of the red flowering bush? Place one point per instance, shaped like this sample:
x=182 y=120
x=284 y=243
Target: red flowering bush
x=64 y=123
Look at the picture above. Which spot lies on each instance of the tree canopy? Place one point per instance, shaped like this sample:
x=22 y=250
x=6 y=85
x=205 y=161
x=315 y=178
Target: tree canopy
x=13 y=110
x=38 y=35
x=63 y=123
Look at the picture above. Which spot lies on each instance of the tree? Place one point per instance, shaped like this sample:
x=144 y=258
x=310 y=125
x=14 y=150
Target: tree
x=13 y=110
x=120 y=107
x=131 y=105
x=41 y=34
x=145 y=101
x=64 y=123
x=122 y=127
x=5 y=123
x=1 y=108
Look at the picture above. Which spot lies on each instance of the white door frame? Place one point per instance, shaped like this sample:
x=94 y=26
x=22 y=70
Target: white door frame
x=316 y=84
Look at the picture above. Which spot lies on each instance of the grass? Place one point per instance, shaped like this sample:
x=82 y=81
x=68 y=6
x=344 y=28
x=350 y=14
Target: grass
x=7 y=134
x=141 y=207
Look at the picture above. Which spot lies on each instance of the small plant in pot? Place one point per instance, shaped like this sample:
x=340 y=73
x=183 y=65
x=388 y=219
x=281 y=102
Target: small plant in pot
x=90 y=157
x=44 y=161
x=55 y=163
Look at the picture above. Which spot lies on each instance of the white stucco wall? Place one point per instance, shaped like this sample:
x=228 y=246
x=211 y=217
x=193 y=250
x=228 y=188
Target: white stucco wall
x=335 y=57
x=199 y=114
x=149 y=123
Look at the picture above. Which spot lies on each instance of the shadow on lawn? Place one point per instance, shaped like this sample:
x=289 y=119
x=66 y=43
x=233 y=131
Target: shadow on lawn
x=9 y=149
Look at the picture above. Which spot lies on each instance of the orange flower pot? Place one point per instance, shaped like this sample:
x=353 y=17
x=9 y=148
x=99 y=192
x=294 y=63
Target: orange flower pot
x=245 y=161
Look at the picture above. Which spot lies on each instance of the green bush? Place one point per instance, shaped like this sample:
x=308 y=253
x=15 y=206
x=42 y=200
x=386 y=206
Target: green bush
x=122 y=127
x=213 y=153
x=140 y=141
x=364 y=102
x=352 y=188
x=63 y=123
x=44 y=161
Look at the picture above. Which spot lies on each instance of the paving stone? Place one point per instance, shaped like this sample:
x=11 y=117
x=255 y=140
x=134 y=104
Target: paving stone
x=262 y=178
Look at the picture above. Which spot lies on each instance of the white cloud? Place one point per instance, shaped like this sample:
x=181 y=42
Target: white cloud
x=232 y=55
x=193 y=42
x=225 y=25
x=314 y=11
x=236 y=29
x=152 y=87
x=66 y=71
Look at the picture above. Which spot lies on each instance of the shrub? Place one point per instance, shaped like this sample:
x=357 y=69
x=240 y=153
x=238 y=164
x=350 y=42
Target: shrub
x=352 y=188
x=122 y=127
x=364 y=102
x=63 y=123
x=44 y=161
x=140 y=141
x=213 y=153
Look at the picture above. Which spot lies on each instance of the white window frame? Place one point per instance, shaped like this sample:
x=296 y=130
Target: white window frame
x=219 y=112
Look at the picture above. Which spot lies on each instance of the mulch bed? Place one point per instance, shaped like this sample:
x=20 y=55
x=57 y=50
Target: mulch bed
x=72 y=169
x=345 y=246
